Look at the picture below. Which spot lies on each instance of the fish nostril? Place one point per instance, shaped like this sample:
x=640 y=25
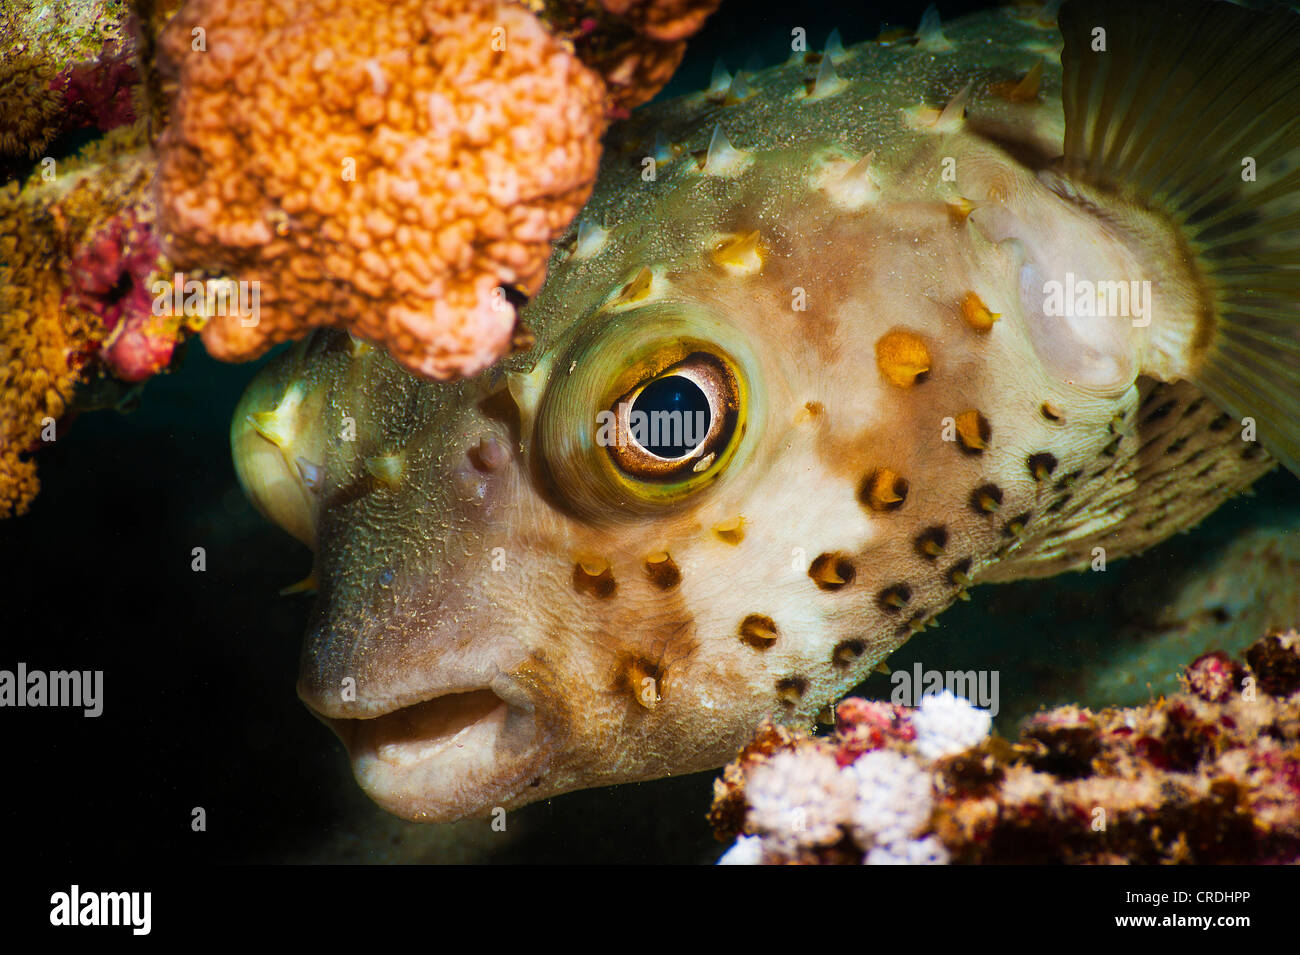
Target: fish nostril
x=832 y=571
x=489 y=454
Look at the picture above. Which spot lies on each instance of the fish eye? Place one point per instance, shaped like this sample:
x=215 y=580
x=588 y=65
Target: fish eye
x=676 y=424
x=646 y=410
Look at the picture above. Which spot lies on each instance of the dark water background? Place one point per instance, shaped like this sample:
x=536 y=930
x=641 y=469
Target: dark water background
x=200 y=667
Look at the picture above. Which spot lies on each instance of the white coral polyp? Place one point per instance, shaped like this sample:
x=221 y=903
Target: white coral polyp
x=946 y=724
x=799 y=800
x=927 y=851
x=894 y=797
x=747 y=850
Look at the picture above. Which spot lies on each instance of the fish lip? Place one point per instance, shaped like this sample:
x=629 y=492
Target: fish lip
x=445 y=754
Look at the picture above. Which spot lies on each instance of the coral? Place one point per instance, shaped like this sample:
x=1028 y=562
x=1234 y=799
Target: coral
x=1211 y=775
x=77 y=254
x=864 y=796
x=380 y=166
x=67 y=66
x=635 y=45
x=946 y=724
x=797 y=799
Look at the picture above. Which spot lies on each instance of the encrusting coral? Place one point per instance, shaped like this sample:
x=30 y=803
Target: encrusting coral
x=63 y=67
x=1210 y=775
x=77 y=246
x=78 y=261
x=387 y=167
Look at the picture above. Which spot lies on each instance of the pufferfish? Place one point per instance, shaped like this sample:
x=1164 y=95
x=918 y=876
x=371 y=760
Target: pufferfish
x=831 y=343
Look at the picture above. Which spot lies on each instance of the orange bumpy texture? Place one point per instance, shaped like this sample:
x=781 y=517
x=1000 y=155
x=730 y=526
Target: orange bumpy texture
x=381 y=165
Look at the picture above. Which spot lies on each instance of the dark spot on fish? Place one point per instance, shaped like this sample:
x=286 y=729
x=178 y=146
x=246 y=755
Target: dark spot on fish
x=1051 y=412
x=1059 y=503
x=894 y=597
x=791 y=689
x=959 y=573
x=1194 y=407
x=1176 y=446
x=848 y=651
x=832 y=571
x=600 y=585
x=644 y=679
x=664 y=574
x=931 y=542
x=1252 y=452
x=1016 y=525
x=1068 y=480
x=986 y=499
x=1041 y=465
x=758 y=631
x=1113 y=448
x=1220 y=423
x=883 y=490
x=1160 y=412
x=973 y=432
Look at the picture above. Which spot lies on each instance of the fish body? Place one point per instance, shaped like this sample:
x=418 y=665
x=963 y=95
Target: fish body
x=916 y=336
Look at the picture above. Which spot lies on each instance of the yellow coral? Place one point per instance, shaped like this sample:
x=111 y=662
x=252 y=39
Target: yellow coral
x=29 y=109
x=44 y=342
x=382 y=166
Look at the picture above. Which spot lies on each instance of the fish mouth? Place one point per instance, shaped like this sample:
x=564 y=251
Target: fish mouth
x=447 y=755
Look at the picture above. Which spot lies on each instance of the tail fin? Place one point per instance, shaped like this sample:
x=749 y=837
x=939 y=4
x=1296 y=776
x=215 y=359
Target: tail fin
x=1194 y=107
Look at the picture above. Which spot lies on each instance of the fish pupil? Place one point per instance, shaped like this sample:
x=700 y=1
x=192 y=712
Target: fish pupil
x=677 y=416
